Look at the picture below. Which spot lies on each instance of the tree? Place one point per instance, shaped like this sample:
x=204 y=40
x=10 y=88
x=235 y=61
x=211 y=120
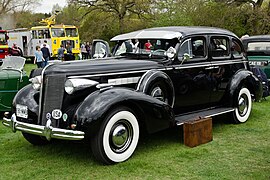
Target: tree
x=120 y=9
x=7 y=6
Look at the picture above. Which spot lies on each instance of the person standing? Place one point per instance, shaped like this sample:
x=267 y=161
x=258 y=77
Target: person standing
x=61 y=52
x=39 y=58
x=46 y=54
x=88 y=50
x=148 y=45
x=83 y=51
x=69 y=56
x=47 y=45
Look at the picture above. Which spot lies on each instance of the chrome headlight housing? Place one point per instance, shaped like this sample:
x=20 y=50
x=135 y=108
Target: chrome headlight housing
x=72 y=85
x=36 y=82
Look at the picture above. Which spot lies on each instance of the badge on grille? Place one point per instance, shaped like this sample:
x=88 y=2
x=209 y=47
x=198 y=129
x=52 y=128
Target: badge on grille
x=56 y=114
x=48 y=115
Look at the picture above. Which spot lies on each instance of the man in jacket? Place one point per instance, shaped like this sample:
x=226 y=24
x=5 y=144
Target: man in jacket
x=46 y=54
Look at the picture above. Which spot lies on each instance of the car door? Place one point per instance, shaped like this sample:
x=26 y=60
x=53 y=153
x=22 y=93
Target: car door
x=190 y=76
x=226 y=58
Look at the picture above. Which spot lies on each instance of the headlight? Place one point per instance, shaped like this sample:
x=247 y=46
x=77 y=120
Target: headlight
x=36 y=82
x=72 y=85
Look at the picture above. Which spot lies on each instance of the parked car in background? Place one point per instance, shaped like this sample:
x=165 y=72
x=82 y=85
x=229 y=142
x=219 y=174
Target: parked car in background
x=258 y=52
x=154 y=79
x=12 y=79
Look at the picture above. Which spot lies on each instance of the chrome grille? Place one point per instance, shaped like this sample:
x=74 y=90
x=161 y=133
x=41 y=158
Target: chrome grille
x=52 y=99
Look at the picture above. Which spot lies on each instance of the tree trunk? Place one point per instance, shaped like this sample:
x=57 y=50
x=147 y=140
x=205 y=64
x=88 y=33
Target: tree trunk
x=121 y=24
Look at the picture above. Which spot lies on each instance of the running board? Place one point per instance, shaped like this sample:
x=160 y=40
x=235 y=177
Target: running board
x=181 y=119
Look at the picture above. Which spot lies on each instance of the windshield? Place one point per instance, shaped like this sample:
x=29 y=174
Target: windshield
x=71 y=32
x=157 y=47
x=3 y=39
x=259 y=46
x=58 y=32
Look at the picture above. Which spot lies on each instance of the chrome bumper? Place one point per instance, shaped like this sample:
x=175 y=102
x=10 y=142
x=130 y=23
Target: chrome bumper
x=47 y=131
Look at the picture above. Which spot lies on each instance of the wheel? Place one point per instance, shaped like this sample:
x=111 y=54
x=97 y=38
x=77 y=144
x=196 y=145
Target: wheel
x=159 y=91
x=117 y=137
x=244 y=104
x=35 y=139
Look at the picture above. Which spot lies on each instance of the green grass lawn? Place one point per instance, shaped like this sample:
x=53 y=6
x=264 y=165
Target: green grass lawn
x=29 y=67
x=236 y=152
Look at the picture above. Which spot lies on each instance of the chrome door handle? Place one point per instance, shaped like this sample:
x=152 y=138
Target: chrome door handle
x=211 y=67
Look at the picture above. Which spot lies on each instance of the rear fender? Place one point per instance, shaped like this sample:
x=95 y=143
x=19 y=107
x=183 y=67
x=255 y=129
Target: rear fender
x=152 y=113
x=247 y=79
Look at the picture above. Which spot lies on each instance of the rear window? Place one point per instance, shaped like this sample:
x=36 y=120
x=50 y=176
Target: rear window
x=259 y=46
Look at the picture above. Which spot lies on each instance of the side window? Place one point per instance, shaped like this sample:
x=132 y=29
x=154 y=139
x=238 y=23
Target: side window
x=194 y=47
x=220 y=46
x=237 y=50
x=40 y=34
x=47 y=33
x=34 y=34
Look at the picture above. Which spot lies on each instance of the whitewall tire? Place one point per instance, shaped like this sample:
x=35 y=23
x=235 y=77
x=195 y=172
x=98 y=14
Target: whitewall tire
x=243 y=108
x=117 y=138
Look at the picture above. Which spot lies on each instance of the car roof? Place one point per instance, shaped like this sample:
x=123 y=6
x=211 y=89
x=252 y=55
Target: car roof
x=256 y=38
x=171 y=32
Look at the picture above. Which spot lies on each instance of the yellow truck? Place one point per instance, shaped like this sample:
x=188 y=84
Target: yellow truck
x=54 y=34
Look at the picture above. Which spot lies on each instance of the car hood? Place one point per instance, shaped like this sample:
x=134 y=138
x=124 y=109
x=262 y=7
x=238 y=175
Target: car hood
x=102 y=66
x=9 y=74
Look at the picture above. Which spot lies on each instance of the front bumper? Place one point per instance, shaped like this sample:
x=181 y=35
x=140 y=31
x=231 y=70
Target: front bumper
x=47 y=131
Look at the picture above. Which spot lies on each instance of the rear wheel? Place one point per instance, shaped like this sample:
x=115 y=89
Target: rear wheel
x=117 y=138
x=244 y=104
x=35 y=139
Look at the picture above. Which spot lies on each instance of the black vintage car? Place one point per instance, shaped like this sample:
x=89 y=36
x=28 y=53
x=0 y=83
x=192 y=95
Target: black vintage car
x=154 y=79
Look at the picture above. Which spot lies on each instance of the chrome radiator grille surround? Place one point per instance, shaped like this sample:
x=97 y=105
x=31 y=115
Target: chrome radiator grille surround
x=52 y=97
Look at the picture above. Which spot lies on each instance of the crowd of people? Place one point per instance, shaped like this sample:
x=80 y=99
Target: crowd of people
x=86 y=50
x=43 y=53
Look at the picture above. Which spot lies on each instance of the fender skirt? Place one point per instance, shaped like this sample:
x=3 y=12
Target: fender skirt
x=152 y=113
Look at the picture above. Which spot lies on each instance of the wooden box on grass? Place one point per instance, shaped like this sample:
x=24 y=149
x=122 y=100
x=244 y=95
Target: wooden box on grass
x=198 y=132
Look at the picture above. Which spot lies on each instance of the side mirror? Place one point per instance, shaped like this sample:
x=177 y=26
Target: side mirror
x=100 y=49
x=171 y=52
x=186 y=57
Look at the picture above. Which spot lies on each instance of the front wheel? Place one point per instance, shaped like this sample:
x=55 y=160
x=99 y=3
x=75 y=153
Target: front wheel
x=117 y=138
x=35 y=139
x=243 y=109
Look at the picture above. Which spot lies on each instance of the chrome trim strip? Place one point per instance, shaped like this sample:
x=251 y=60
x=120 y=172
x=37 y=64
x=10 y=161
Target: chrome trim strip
x=141 y=79
x=108 y=74
x=183 y=66
x=148 y=80
x=41 y=93
x=120 y=81
x=47 y=131
x=208 y=63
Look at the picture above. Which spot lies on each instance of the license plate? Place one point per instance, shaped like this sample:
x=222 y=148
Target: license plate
x=21 y=111
x=256 y=63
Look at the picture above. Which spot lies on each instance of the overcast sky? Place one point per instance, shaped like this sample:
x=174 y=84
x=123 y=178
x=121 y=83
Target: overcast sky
x=46 y=5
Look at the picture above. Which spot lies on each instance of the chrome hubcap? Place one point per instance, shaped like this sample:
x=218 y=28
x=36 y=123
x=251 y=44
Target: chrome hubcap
x=243 y=105
x=158 y=94
x=121 y=136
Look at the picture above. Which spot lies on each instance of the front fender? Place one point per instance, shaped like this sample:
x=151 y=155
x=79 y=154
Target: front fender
x=244 y=78
x=154 y=114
